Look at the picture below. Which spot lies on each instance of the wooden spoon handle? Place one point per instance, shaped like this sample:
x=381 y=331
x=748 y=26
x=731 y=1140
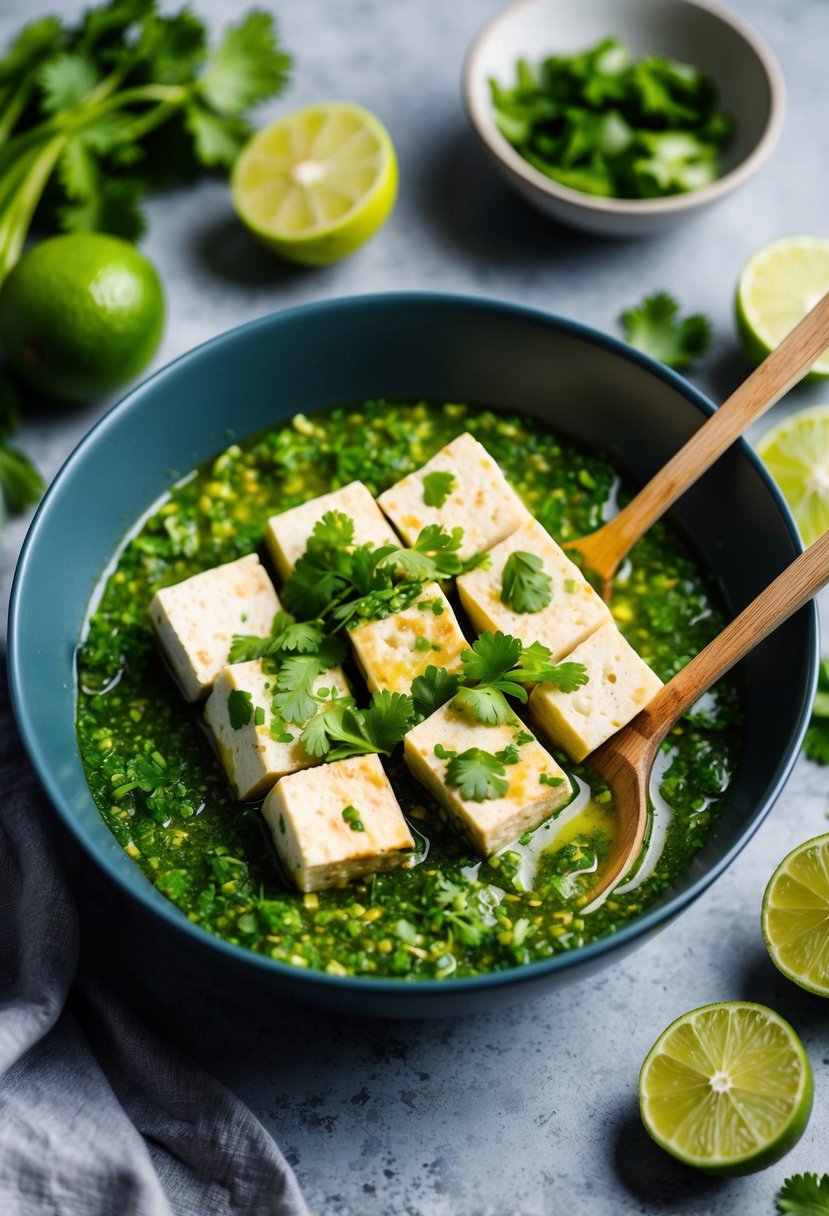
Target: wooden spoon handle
x=789 y=591
x=787 y=364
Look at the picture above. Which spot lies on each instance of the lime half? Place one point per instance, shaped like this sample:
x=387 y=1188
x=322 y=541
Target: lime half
x=795 y=919
x=778 y=286
x=317 y=183
x=796 y=453
x=726 y=1088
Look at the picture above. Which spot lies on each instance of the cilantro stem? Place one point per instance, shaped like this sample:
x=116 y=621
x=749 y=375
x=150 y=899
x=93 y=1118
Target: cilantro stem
x=19 y=214
x=14 y=108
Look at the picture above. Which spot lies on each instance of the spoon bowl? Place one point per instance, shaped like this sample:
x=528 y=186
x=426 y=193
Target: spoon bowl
x=626 y=759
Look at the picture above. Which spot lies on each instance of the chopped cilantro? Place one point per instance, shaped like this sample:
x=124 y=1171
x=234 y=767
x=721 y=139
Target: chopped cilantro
x=239 y=708
x=654 y=328
x=598 y=122
x=804 y=1195
x=546 y=779
x=523 y=737
x=424 y=643
x=436 y=488
x=524 y=584
x=259 y=716
x=478 y=774
x=444 y=753
x=816 y=743
x=352 y=817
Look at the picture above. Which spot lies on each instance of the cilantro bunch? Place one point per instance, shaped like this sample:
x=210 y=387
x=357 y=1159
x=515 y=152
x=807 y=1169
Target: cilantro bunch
x=606 y=125
x=93 y=115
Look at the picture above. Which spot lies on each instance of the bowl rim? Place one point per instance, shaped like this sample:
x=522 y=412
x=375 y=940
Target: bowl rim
x=301 y=979
x=498 y=147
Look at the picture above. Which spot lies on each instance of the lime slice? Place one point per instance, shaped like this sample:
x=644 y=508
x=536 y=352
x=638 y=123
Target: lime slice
x=795 y=918
x=778 y=286
x=317 y=183
x=796 y=453
x=726 y=1088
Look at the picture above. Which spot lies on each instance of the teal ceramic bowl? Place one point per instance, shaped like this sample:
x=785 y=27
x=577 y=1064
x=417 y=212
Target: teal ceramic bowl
x=581 y=382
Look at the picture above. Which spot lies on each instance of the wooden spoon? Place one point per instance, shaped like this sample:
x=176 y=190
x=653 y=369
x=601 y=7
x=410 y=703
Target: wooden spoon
x=605 y=548
x=626 y=759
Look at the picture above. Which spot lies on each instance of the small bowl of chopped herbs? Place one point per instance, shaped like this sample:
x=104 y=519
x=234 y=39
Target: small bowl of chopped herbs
x=623 y=117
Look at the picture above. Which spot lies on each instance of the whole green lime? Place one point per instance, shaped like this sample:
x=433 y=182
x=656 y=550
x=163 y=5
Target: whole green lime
x=81 y=315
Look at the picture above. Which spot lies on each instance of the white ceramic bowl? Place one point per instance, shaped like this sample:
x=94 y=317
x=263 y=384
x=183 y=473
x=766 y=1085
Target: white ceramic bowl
x=700 y=32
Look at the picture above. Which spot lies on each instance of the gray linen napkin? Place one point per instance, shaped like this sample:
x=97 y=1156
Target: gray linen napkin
x=99 y=1117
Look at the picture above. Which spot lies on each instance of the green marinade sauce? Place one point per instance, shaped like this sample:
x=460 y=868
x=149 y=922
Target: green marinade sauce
x=165 y=797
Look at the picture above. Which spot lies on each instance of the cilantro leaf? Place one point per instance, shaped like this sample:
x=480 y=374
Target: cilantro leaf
x=654 y=328
x=65 y=81
x=491 y=656
x=486 y=704
x=218 y=138
x=432 y=689
x=294 y=698
x=477 y=774
x=816 y=743
x=304 y=637
x=239 y=708
x=247 y=67
x=437 y=487
x=335 y=529
x=525 y=585
x=388 y=718
x=804 y=1195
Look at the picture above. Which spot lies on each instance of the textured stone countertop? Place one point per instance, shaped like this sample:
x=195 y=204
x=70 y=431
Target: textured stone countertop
x=532 y=1111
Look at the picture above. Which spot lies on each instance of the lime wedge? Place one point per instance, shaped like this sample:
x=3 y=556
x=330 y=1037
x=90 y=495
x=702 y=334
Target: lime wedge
x=795 y=919
x=726 y=1088
x=779 y=284
x=317 y=183
x=796 y=453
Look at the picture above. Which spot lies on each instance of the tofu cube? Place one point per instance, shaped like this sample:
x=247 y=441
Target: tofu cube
x=195 y=620
x=494 y=822
x=393 y=651
x=480 y=499
x=287 y=534
x=337 y=822
x=575 y=610
x=620 y=684
x=252 y=757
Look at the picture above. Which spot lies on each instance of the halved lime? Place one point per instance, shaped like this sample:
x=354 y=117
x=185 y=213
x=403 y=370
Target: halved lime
x=726 y=1088
x=317 y=183
x=779 y=284
x=796 y=453
x=795 y=918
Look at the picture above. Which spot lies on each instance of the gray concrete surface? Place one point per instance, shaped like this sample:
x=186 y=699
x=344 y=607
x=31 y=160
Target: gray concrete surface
x=532 y=1111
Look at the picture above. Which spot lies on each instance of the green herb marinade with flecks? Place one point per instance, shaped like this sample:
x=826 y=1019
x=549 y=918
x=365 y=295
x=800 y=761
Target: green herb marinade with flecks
x=165 y=797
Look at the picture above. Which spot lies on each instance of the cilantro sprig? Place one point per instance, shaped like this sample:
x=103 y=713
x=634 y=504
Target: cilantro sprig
x=655 y=328
x=343 y=730
x=804 y=1195
x=499 y=665
x=525 y=585
x=816 y=743
x=126 y=98
x=341 y=583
